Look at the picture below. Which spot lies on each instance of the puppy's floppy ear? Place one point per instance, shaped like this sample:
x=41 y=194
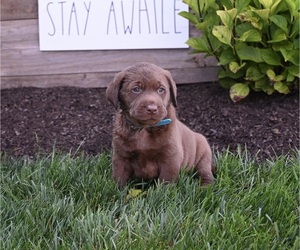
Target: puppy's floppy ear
x=112 y=91
x=173 y=88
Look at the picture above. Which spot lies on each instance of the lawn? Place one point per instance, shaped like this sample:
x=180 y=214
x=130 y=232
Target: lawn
x=63 y=201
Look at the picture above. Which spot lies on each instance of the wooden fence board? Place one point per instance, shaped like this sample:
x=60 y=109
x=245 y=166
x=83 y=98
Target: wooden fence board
x=88 y=80
x=30 y=61
x=23 y=64
x=19 y=9
x=20 y=49
x=99 y=80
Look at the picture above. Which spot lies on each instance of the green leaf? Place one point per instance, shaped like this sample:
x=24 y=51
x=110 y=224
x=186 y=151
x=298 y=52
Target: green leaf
x=295 y=58
x=295 y=29
x=228 y=4
x=227 y=56
x=264 y=67
x=271 y=74
x=270 y=4
x=253 y=35
x=206 y=26
x=134 y=193
x=193 y=4
x=281 y=88
x=279 y=36
x=290 y=78
x=227 y=73
x=240 y=29
x=273 y=77
x=271 y=57
x=203 y=6
x=293 y=7
x=248 y=16
x=280 y=21
x=296 y=43
x=264 y=85
x=262 y=14
x=287 y=54
x=249 y=53
x=239 y=91
x=274 y=8
x=235 y=67
x=266 y=3
x=227 y=82
x=241 y=4
x=192 y=18
x=210 y=5
x=285 y=45
x=199 y=44
x=216 y=44
x=257 y=24
x=203 y=26
x=227 y=16
x=253 y=74
x=223 y=34
x=294 y=70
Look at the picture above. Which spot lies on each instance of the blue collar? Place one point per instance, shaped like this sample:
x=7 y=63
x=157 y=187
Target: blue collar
x=163 y=122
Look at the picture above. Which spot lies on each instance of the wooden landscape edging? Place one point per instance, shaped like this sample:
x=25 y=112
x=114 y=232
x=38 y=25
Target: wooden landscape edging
x=23 y=64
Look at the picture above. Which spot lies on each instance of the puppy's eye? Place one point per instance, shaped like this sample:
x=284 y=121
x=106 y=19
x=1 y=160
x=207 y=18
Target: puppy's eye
x=136 y=90
x=161 y=90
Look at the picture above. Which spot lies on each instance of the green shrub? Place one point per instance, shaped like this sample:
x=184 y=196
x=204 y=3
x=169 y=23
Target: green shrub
x=256 y=42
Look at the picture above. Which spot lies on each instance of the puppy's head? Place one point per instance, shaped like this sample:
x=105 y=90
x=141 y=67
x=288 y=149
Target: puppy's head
x=143 y=91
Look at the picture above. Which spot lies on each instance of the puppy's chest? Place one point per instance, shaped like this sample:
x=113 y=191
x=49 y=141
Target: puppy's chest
x=145 y=164
x=143 y=141
x=145 y=153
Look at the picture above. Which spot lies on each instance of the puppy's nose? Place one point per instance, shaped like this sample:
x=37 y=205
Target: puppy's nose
x=151 y=108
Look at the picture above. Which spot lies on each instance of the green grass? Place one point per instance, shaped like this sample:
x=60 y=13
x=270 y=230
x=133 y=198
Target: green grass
x=68 y=202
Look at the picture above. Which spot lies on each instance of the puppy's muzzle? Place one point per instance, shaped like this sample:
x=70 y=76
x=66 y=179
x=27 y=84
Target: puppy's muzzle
x=148 y=110
x=151 y=109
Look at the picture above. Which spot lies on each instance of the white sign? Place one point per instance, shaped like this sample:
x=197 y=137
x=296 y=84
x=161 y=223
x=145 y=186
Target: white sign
x=112 y=24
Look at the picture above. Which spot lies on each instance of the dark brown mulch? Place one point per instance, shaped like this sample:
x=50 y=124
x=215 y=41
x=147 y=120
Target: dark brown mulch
x=35 y=120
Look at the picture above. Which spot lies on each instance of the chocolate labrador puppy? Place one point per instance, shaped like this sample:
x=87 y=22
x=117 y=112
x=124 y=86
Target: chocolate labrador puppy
x=149 y=141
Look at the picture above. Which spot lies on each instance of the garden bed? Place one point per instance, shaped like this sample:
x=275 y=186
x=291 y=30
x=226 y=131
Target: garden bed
x=34 y=120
